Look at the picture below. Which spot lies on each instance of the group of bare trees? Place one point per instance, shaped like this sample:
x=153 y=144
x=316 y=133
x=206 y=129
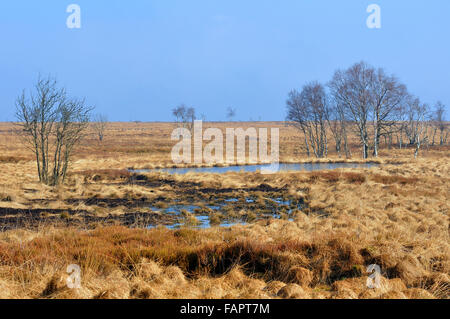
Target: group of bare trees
x=51 y=124
x=309 y=111
x=185 y=116
x=365 y=101
x=439 y=124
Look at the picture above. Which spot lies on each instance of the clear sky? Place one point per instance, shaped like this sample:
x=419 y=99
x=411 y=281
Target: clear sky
x=136 y=60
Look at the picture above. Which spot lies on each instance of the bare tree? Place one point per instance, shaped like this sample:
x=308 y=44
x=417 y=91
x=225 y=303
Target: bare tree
x=338 y=126
x=400 y=126
x=421 y=112
x=99 y=124
x=231 y=113
x=352 y=90
x=297 y=113
x=387 y=95
x=411 y=123
x=72 y=121
x=416 y=127
x=439 y=122
x=185 y=116
x=309 y=111
x=51 y=124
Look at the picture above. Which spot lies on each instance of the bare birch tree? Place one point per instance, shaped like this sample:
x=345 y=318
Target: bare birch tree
x=387 y=97
x=411 y=125
x=416 y=127
x=99 y=124
x=231 y=113
x=309 y=111
x=51 y=124
x=352 y=89
x=297 y=114
x=185 y=116
x=339 y=126
x=439 y=122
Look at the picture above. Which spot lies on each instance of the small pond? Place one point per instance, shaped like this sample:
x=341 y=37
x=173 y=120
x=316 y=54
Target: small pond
x=204 y=215
x=257 y=168
x=199 y=215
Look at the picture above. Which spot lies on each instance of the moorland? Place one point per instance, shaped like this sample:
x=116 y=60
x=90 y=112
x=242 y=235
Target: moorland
x=284 y=235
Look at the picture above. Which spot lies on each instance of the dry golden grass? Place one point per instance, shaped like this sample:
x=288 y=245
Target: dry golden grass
x=394 y=215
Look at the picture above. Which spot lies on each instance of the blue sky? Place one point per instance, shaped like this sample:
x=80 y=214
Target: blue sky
x=136 y=60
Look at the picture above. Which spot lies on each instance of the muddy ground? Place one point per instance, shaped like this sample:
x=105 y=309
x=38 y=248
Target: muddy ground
x=181 y=203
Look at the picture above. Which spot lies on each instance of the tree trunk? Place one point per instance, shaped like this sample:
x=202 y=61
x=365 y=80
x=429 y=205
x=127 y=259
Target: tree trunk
x=346 y=148
x=375 y=142
x=434 y=135
x=416 y=152
x=365 y=150
x=307 y=145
